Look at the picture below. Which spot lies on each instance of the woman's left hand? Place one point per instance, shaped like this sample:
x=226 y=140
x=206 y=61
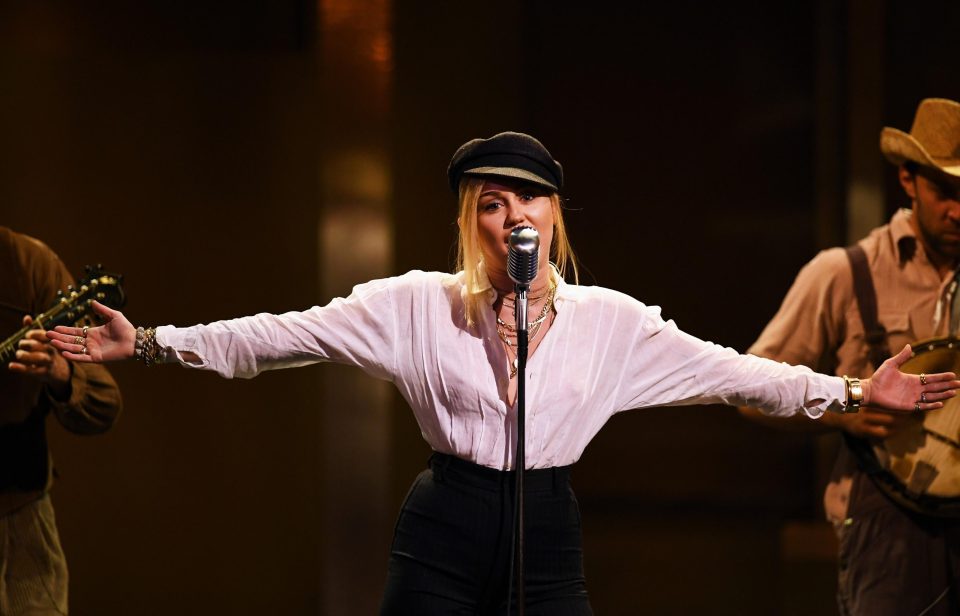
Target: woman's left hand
x=893 y=390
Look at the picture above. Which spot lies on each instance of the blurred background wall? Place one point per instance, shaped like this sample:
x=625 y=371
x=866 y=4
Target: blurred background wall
x=231 y=158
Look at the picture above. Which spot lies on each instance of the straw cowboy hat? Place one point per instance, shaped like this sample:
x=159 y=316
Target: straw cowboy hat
x=933 y=140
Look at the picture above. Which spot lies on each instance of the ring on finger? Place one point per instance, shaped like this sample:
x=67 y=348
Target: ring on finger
x=923 y=379
x=85 y=328
x=83 y=351
x=923 y=396
x=916 y=407
x=78 y=340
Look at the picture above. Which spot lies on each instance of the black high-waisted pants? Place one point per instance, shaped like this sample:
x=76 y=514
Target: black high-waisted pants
x=451 y=546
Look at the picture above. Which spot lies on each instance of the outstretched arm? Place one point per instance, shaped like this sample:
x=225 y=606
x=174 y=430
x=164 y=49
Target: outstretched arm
x=359 y=330
x=891 y=401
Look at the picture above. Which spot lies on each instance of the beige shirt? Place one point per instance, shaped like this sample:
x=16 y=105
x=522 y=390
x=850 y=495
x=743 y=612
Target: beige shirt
x=819 y=323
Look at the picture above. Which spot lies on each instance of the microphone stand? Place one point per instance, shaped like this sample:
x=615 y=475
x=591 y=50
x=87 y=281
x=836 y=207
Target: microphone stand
x=520 y=313
x=522 y=266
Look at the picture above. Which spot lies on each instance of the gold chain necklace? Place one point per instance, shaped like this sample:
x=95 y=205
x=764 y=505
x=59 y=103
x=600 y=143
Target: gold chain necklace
x=509 y=300
x=533 y=328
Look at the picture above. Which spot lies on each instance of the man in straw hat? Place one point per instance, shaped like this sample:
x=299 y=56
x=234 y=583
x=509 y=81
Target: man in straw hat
x=895 y=558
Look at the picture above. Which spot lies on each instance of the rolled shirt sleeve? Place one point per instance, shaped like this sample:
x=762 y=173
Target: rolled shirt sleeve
x=358 y=330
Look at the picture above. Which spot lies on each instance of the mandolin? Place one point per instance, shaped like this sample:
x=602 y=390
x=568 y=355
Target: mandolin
x=71 y=307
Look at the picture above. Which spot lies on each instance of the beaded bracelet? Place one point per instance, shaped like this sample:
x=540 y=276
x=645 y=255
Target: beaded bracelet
x=145 y=347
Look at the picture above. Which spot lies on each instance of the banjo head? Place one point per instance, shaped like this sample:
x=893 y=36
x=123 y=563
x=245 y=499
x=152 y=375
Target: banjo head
x=925 y=457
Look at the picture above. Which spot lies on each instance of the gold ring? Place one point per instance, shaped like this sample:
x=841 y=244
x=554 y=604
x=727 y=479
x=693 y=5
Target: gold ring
x=78 y=340
x=83 y=351
x=85 y=328
x=923 y=379
x=916 y=407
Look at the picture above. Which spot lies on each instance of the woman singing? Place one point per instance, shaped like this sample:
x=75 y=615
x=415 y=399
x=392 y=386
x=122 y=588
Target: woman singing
x=448 y=342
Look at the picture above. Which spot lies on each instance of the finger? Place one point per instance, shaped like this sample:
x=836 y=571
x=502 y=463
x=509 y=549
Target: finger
x=27 y=320
x=938 y=377
x=69 y=347
x=16 y=366
x=105 y=311
x=22 y=368
x=34 y=358
x=901 y=357
x=880 y=432
x=82 y=358
x=36 y=336
x=879 y=419
x=916 y=407
x=939 y=395
x=942 y=386
x=29 y=344
x=34 y=346
x=878 y=411
x=69 y=334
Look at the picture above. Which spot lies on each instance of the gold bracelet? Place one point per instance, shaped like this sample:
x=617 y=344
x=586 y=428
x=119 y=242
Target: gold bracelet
x=854 y=394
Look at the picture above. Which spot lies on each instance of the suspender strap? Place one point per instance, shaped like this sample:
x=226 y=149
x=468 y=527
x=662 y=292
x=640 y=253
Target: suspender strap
x=874 y=333
x=879 y=351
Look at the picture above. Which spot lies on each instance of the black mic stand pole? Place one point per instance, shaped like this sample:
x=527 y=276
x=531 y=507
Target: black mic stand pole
x=520 y=313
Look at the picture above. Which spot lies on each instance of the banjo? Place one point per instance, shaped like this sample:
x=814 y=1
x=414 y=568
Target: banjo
x=71 y=307
x=919 y=467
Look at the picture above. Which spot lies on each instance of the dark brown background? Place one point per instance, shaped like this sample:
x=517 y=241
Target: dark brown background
x=709 y=147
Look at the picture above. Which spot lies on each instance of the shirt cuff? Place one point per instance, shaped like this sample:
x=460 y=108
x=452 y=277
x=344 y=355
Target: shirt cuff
x=835 y=401
x=175 y=341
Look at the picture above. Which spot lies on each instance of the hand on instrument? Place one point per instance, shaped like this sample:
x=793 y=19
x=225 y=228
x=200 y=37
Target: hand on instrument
x=112 y=341
x=893 y=390
x=874 y=423
x=36 y=357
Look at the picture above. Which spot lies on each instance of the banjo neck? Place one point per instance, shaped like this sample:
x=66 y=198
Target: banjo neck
x=70 y=307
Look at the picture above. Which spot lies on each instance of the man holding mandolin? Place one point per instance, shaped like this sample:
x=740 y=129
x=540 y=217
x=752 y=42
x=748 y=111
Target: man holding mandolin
x=36 y=381
x=894 y=497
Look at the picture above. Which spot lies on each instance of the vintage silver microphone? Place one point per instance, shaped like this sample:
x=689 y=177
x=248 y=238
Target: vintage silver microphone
x=522 y=261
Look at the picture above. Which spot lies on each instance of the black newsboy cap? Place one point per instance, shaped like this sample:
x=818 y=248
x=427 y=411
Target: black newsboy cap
x=512 y=155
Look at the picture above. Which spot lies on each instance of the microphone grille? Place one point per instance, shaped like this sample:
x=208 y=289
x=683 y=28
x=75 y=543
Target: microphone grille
x=522 y=258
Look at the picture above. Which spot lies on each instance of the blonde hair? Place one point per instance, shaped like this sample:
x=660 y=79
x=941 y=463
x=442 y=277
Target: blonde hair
x=470 y=257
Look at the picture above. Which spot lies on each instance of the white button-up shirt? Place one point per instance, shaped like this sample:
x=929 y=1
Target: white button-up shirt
x=605 y=352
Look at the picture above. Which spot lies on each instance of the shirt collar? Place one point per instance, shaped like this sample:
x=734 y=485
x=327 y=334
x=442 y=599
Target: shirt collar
x=564 y=291
x=904 y=237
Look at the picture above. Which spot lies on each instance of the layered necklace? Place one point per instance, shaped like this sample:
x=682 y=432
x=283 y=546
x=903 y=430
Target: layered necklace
x=508 y=332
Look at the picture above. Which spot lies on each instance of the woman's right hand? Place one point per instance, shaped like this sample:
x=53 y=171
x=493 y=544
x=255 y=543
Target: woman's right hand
x=112 y=341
